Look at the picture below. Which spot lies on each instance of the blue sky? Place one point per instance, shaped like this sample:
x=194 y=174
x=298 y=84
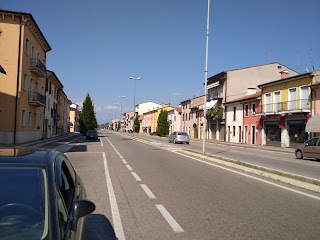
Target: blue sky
x=98 y=45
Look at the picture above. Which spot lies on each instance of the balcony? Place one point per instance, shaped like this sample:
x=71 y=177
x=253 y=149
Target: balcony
x=301 y=105
x=37 y=99
x=37 y=67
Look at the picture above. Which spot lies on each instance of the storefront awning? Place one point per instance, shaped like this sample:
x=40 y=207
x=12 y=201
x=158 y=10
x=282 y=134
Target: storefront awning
x=313 y=124
x=209 y=105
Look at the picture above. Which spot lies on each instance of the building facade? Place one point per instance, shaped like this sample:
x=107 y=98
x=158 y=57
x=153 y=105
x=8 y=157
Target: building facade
x=285 y=110
x=74 y=118
x=53 y=85
x=230 y=85
x=23 y=50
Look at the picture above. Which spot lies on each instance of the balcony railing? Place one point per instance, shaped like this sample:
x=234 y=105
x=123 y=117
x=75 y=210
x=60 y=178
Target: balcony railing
x=36 y=99
x=301 y=105
x=37 y=67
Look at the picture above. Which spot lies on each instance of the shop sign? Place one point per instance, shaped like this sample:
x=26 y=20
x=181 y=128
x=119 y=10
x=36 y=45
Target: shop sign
x=297 y=122
x=271 y=122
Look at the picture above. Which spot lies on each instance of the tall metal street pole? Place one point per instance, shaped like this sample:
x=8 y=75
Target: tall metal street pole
x=115 y=114
x=121 y=97
x=134 y=101
x=205 y=85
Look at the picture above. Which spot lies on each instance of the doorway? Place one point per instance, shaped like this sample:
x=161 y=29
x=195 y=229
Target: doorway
x=253 y=134
x=240 y=135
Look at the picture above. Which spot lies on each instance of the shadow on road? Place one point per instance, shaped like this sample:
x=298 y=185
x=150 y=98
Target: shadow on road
x=79 y=148
x=99 y=227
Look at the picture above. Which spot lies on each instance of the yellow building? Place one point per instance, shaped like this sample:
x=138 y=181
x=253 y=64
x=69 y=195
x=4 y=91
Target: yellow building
x=23 y=50
x=156 y=114
x=74 y=118
x=285 y=110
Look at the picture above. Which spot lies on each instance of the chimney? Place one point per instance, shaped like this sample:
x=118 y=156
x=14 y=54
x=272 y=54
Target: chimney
x=284 y=74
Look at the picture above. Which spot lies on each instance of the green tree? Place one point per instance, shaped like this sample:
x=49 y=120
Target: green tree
x=136 y=124
x=163 y=124
x=87 y=116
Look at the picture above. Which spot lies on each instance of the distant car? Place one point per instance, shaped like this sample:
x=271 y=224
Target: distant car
x=309 y=149
x=179 y=137
x=41 y=196
x=92 y=134
x=130 y=131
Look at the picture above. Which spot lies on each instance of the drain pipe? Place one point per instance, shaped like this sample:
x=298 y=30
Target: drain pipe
x=18 y=85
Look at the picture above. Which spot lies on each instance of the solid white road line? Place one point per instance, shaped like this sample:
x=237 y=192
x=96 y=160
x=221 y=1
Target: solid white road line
x=173 y=223
x=136 y=176
x=129 y=168
x=101 y=142
x=124 y=161
x=118 y=228
x=148 y=191
x=252 y=177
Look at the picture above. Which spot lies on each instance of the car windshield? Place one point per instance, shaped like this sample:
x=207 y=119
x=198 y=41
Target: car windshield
x=182 y=133
x=23 y=203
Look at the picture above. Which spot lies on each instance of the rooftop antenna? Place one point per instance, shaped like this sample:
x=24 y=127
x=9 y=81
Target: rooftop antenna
x=298 y=67
x=311 y=59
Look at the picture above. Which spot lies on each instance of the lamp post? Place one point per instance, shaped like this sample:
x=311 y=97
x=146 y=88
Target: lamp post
x=121 y=97
x=115 y=114
x=134 y=101
x=205 y=85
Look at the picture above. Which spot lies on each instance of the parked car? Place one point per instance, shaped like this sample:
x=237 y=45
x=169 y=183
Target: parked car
x=130 y=131
x=309 y=149
x=179 y=137
x=41 y=196
x=92 y=134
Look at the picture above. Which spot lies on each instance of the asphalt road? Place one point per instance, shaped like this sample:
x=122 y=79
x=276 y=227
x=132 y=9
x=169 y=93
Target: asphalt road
x=282 y=161
x=142 y=191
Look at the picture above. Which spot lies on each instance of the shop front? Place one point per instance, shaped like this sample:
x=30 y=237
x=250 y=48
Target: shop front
x=273 y=132
x=296 y=129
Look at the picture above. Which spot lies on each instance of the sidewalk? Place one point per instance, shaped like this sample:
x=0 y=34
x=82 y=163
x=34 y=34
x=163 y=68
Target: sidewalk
x=243 y=145
x=249 y=146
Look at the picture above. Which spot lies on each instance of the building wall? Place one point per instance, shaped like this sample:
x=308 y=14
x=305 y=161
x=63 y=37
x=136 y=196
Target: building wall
x=9 y=47
x=284 y=88
x=238 y=81
x=252 y=120
x=234 y=126
x=146 y=107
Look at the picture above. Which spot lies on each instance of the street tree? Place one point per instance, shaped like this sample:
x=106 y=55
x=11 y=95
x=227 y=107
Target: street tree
x=87 y=116
x=163 y=124
x=136 y=125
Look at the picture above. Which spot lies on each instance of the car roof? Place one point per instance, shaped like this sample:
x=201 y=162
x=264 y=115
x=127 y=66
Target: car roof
x=27 y=155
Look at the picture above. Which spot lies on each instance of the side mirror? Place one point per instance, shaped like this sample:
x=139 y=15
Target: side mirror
x=306 y=144
x=80 y=209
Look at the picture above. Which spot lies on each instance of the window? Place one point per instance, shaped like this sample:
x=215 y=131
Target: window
x=23 y=118
x=246 y=110
x=32 y=52
x=27 y=46
x=234 y=113
x=292 y=99
x=25 y=81
x=267 y=102
x=234 y=131
x=276 y=101
x=29 y=119
x=189 y=116
x=253 y=109
x=304 y=96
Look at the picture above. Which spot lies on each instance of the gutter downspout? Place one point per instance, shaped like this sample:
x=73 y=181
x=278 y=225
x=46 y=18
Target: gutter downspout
x=17 y=90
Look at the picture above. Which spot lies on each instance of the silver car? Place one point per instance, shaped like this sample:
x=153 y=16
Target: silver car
x=179 y=137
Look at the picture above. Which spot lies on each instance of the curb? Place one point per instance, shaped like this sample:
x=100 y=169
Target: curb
x=290 y=181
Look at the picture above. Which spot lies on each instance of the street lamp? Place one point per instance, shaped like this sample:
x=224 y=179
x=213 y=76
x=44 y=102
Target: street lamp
x=134 y=100
x=115 y=113
x=121 y=97
x=205 y=85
